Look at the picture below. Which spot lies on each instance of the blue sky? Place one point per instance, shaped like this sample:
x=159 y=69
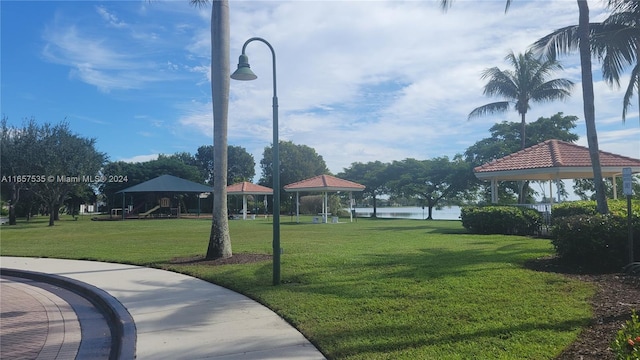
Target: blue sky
x=358 y=81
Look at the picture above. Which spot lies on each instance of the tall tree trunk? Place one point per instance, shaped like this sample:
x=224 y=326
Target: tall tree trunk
x=523 y=132
x=219 y=240
x=52 y=214
x=522 y=185
x=12 y=205
x=589 y=107
x=375 y=207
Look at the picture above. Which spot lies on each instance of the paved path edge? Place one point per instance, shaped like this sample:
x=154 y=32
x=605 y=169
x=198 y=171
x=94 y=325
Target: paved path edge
x=123 y=328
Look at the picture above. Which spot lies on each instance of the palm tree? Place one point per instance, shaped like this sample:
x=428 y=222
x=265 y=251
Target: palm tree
x=526 y=83
x=615 y=41
x=587 y=98
x=585 y=39
x=219 y=239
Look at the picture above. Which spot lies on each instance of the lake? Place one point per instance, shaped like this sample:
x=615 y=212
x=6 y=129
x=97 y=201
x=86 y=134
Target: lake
x=411 y=212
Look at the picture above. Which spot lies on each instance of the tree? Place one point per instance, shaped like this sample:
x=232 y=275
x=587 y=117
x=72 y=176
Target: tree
x=55 y=161
x=615 y=42
x=430 y=180
x=526 y=83
x=219 y=239
x=297 y=162
x=584 y=188
x=587 y=97
x=16 y=155
x=372 y=175
x=241 y=165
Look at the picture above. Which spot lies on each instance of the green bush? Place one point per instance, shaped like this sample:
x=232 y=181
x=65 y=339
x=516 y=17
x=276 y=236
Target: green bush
x=508 y=220
x=626 y=346
x=592 y=242
x=616 y=207
x=573 y=208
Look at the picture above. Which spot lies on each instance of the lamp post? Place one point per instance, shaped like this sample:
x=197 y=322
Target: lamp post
x=244 y=73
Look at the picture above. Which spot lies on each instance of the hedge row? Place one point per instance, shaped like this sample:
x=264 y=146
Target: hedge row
x=583 y=239
x=508 y=220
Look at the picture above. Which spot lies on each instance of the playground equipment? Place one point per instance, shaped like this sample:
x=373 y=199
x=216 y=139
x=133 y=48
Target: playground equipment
x=147 y=213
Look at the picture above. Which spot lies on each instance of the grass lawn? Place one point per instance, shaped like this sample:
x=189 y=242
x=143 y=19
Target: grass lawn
x=372 y=289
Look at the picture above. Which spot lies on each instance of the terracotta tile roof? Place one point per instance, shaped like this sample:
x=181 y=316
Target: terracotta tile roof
x=562 y=159
x=324 y=183
x=248 y=188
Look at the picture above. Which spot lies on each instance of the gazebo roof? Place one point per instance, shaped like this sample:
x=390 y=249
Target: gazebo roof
x=551 y=160
x=168 y=183
x=324 y=183
x=247 y=188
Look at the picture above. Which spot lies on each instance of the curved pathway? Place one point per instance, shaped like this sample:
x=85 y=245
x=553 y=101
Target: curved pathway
x=181 y=317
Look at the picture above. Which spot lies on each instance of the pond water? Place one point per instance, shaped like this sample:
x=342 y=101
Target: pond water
x=411 y=212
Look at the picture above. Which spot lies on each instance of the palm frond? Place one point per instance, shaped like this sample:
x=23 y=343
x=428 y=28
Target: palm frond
x=493 y=108
x=445 y=4
x=199 y=3
x=633 y=83
x=561 y=41
x=624 y=6
x=502 y=84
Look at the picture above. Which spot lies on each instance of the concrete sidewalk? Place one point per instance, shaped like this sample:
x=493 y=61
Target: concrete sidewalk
x=181 y=317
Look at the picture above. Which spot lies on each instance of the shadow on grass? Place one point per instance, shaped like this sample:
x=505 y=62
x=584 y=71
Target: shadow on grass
x=429 y=226
x=405 y=341
x=426 y=265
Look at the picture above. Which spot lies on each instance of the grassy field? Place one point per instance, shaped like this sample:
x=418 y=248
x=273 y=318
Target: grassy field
x=372 y=289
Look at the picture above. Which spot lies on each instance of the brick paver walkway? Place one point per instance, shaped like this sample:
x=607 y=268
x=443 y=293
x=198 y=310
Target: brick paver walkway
x=35 y=323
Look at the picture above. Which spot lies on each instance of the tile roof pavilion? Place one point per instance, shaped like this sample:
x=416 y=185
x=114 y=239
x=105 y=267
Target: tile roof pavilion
x=324 y=184
x=246 y=188
x=553 y=160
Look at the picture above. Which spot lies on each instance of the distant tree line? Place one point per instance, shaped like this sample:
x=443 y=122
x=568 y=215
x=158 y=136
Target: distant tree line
x=50 y=150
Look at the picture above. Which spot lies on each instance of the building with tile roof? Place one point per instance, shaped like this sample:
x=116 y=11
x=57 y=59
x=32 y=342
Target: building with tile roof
x=323 y=184
x=552 y=160
x=246 y=188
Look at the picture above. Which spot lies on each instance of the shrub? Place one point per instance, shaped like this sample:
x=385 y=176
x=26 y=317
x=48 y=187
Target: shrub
x=626 y=346
x=508 y=220
x=616 y=207
x=592 y=242
x=573 y=208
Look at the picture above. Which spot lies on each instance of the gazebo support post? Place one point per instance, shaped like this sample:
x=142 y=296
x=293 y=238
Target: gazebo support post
x=325 y=208
x=123 y=206
x=244 y=207
x=297 y=207
x=350 y=206
x=494 y=191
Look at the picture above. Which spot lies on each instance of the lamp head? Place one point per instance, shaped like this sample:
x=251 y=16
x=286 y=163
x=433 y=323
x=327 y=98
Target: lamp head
x=244 y=70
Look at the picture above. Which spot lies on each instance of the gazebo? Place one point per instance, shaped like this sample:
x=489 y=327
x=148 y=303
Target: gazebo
x=552 y=160
x=323 y=184
x=246 y=188
x=165 y=184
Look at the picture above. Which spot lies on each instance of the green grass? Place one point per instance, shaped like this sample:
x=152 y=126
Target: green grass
x=373 y=289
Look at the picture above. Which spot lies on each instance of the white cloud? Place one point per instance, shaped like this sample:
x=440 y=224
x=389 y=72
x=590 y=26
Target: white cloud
x=356 y=80
x=140 y=158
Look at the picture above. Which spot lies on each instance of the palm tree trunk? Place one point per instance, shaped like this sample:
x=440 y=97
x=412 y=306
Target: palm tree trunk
x=219 y=240
x=589 y=107
x=523 y=131
x=522 y=185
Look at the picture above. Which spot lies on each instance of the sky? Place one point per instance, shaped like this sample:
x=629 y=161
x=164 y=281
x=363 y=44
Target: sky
x=358 y=81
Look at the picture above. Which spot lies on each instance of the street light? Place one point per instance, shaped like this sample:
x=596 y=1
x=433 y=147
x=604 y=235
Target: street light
x=244 y=73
